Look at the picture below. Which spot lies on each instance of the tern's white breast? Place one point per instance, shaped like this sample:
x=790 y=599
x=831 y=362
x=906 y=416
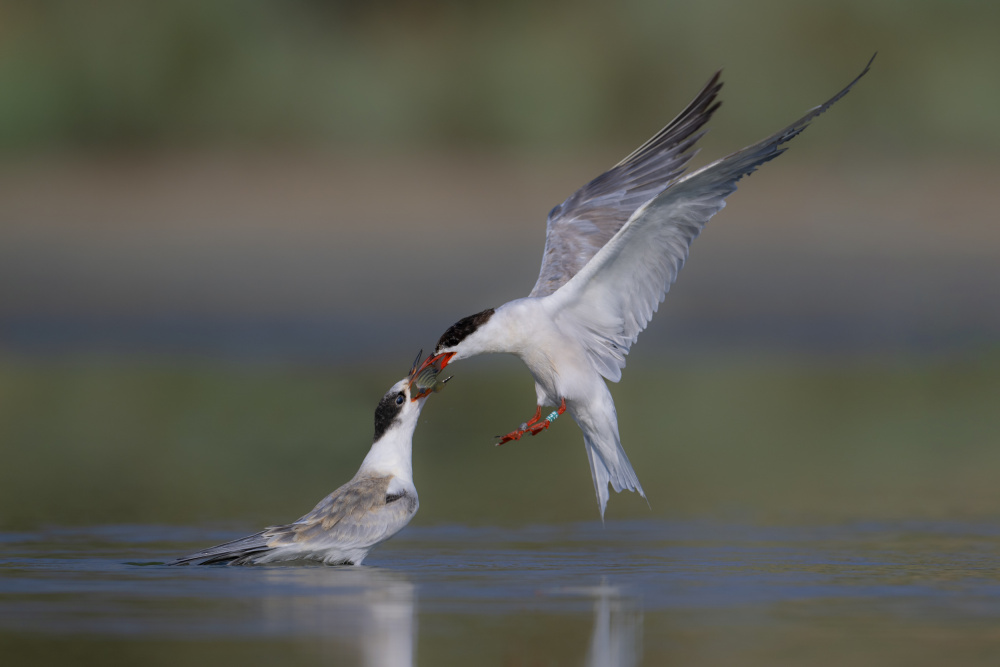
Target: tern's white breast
x=557 y=361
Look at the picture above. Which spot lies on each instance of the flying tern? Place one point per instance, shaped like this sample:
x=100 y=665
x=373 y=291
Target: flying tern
x=612 y=251
x=368 y=510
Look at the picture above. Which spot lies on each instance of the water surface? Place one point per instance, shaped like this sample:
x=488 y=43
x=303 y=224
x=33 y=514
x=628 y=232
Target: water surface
x=634 y=592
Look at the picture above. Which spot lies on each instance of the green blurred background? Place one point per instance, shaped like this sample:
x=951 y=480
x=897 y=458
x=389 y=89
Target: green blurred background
x=226 y=227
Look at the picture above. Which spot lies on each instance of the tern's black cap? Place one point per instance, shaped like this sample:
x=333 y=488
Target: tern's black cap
x=460 y=330
x=386 y=412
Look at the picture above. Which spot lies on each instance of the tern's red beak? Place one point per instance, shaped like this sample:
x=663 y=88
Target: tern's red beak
x=442 y=358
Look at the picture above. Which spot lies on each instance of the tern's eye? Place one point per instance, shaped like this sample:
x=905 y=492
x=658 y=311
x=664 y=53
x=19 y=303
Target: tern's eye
x=400 y=399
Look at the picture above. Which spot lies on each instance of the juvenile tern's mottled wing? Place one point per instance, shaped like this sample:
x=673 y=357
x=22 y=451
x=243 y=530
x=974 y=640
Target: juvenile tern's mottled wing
x=609 y=302
x=582 y=224
x=358 y=514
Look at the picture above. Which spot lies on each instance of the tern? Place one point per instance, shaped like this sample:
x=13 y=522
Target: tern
x=612 y=251
x=366 y=511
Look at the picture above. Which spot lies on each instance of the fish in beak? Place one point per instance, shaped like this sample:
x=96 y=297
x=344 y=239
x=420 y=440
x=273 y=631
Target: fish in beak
x=424 y=377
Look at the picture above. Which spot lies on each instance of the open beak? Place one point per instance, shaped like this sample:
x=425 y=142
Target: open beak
x=424 y=377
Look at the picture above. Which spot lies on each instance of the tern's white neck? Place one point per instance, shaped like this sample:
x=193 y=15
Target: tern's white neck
x=392 y=454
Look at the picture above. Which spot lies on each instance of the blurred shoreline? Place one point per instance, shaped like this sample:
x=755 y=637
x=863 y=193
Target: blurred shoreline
x=303 y=255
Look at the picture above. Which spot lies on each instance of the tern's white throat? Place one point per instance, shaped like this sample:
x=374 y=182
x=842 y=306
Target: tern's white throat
x=392 y=450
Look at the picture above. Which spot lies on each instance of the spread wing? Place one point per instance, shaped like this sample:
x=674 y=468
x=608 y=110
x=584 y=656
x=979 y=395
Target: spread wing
x=582 y=224
x=357 y=514
x=610 y=301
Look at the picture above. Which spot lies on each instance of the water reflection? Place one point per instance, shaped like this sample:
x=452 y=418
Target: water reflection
x=616 y=640
x=716 y=593
x=369 y=616
x=617 y=637
x=364 y=614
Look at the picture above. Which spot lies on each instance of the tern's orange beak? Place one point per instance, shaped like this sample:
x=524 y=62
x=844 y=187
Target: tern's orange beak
x=443 y=358
x=424 y=380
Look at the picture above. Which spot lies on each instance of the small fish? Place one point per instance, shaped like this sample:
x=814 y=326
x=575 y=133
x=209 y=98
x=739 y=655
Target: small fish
x=425 y=378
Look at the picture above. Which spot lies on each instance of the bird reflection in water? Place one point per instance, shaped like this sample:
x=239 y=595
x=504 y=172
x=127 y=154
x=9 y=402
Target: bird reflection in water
x=365 y=615
x=368 y=616
x=616 y=640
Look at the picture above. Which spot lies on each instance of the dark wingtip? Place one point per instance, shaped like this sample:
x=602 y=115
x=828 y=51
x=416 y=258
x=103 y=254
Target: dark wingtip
x=823 y=107
x=693 y=116
x=796 y=128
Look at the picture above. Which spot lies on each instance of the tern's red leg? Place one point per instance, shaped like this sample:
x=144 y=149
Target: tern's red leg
x=517 y=433
x=534 y=427
x=545 y=423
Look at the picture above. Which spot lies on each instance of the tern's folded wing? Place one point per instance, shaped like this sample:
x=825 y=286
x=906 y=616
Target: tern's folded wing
x=582 y=224
x=245 y=547
x=360 y=513
x=611 y=300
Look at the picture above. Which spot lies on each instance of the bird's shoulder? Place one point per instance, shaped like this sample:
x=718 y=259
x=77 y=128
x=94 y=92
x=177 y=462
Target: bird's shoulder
x=351 y=500
x=360 y=509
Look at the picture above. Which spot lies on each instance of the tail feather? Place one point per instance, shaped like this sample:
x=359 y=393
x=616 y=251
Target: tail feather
x=608 y=462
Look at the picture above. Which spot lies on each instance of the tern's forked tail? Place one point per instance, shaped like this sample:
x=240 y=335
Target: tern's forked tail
x=608 y=462
x=610 y=465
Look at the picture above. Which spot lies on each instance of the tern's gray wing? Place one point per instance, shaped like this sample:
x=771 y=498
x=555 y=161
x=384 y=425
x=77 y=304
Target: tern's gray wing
x=611 y=300
x=358 y=514
x=582 y=224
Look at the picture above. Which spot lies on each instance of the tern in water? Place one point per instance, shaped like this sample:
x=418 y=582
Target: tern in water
x=368 y=510
x=612 y=251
